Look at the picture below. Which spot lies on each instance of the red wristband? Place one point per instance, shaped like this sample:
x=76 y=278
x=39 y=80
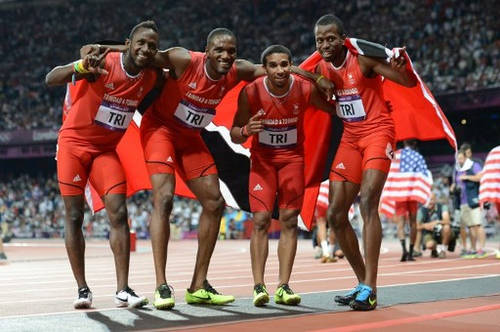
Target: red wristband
x=244 y=131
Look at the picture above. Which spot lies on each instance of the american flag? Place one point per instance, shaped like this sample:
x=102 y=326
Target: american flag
x=409 y=179
x=324 y=188
x=489 y=187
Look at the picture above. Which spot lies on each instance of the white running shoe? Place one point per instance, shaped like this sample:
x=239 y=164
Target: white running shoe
x=128 y=298
x=84 y=300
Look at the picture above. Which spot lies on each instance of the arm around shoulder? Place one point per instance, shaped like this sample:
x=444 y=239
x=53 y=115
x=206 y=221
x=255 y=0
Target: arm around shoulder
x=176 y=59
x=248 y=71
x=395 y=71
x=319 y=100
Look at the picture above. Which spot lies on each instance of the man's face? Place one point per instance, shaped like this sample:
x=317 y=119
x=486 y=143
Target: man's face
x=468 y=153
x=461 y=158
x=221 y=53
x=432 y=202
x=278 y=68
x=328 y=41
x=143 y=47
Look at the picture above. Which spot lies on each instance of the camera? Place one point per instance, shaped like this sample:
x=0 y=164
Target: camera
x=456 y=194
x=454 y=233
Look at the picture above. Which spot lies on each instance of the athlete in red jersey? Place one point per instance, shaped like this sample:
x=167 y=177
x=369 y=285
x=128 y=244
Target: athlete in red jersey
x=364 y=155
x=272 y=108
x=100 y=113
x=171 y=139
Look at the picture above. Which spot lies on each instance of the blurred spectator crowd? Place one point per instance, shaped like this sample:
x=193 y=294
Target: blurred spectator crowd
x=33 y=208
x=454 y=44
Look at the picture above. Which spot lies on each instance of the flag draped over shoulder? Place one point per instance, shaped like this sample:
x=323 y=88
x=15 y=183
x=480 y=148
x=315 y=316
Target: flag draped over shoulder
x=409 y=179
x=415 y=112
x=489 y=186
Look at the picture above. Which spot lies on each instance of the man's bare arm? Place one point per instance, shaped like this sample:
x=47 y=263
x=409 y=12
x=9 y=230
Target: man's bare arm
x=395 y=71
x=321 y=82
x=245 y=126
x=175 y=59
x=248 y=71
x=320 y=102
x=87 y=67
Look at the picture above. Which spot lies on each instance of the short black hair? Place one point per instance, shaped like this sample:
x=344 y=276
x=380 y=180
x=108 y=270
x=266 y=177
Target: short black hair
x=411 y=143
x=143 y=25
x=331 y=19
x=465 y=146
x=219 y=32
x=275 y=49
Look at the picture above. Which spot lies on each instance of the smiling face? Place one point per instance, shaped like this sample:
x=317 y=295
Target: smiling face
x=278 y=68
x=143 y=47
x=221 y=54
x=329 y=41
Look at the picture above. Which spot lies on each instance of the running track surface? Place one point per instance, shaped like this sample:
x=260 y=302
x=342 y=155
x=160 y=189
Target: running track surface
x=37 y=290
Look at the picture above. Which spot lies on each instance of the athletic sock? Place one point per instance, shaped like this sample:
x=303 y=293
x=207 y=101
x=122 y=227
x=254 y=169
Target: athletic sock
x=403 y=244
x=331 y=249
x=324 y=247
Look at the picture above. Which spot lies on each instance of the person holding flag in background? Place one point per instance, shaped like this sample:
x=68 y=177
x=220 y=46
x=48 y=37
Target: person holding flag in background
x=409 y=183
x=489 y=186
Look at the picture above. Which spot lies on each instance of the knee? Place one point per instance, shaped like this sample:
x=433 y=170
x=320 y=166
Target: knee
x=336 y=218
x=368 y=204
x=163 y=201
x=261 y=222
x=74 y=218
x=289 y=220
x=118 y=215
x=214 y=205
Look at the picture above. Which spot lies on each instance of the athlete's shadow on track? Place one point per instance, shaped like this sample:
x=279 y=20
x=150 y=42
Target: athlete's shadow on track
x=151 y=319
x=145 y=319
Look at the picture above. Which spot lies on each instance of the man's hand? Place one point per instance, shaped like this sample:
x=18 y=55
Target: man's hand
x=429 y=227
x=92 y=63
x=91 y=49
x=464 y=177
x=255 y=125
x=398 y=60
x=326 y=87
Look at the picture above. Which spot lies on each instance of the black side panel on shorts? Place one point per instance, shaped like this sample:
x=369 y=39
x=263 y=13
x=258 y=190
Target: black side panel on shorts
x=233 y=168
